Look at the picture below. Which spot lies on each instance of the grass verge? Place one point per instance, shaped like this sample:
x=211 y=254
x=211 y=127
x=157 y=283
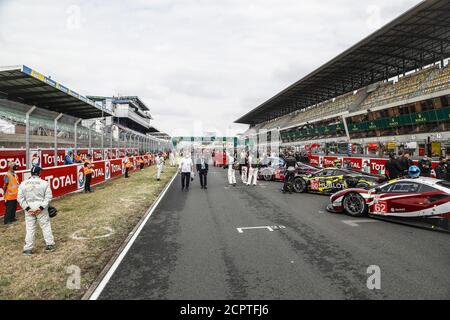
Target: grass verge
x=117 y=205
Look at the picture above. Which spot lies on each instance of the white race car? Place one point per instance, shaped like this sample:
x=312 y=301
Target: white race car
x=421 y=201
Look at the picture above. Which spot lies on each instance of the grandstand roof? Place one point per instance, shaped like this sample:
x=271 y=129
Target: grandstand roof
x=417 y=38
x=123 y=99
x=26 y=85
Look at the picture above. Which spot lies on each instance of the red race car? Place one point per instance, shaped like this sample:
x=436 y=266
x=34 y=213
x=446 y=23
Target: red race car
x=423 y=201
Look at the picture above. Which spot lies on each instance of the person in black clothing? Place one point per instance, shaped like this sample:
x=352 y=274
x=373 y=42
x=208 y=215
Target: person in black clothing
x=392 y=167
x=290 y=165
x=202 y=169
x=404 y=163
x=425 y=166
x=441 y=169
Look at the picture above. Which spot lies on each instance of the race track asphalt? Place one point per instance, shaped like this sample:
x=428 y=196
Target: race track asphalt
x=191 y=248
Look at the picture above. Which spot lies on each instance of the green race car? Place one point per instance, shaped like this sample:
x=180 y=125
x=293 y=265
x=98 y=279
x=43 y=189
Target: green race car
x=331 y=180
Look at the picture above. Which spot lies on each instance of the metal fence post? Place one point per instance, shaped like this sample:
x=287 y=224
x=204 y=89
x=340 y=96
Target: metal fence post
x=76 y=134
x=56 y=138
x=27 y=136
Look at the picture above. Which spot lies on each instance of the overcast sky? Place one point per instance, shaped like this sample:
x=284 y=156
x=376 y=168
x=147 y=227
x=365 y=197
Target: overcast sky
x=198 y=64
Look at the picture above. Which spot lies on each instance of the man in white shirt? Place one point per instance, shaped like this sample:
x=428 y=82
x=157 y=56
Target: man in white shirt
x=34 y=196
x=185 y=168
x=172 y=158
x=253 y=164
x=159 y=166
x=231 y=170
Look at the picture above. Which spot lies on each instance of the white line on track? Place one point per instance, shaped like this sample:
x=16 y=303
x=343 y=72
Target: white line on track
x=355 y=223
x=270 y=228
x=122 y=255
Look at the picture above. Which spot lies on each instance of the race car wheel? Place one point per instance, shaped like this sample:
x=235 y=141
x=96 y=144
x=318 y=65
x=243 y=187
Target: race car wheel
x=267 y=175
x=299 y=185
x=354 y=205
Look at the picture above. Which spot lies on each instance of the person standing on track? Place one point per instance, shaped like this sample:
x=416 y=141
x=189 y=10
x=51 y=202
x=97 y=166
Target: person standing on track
x=10 y=190
x=231 y=169
x=290 y=164
x=186 y=167
x=253 y=166
x=202 y=169
x=244 y=166
x=35 y=195
x=172 y=158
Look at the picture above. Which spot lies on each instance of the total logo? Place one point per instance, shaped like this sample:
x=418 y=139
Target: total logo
x=314 y=161
x=4 y=162
x=49 y=158
x=116 y=168
x=377 y=166
x=355 y=165
x=328 y=162
x=60 y=182
x=98 y=173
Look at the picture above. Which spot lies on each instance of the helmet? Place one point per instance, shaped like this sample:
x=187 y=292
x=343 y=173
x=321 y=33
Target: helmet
x=52 y=211
x=414 y=172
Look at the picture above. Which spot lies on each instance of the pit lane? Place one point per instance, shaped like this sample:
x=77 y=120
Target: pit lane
x=190 y=249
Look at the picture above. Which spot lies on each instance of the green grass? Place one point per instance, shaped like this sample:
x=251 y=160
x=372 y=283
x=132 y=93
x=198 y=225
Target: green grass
x=118 y=204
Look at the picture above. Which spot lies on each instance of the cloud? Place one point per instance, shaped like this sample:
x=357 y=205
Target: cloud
x=191 y=61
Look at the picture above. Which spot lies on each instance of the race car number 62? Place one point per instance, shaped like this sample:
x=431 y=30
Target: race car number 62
x=380 y=207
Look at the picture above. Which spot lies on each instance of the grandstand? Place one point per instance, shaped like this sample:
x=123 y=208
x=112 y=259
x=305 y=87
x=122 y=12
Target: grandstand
x=38 y=112
x=392 y=87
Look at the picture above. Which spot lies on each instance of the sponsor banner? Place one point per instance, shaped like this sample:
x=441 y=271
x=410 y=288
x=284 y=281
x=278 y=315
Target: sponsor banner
x=97 y=154
x=329 y=161
x=16 y=156
x=83 y=153
x=378 y=166
x=48 y=158
x=80 y=177
x=98 y=174
x=36 y=157
x=62 y=180
x=67 y=179
x=314 y=160
x=107 y=154
x=116 y=168
x=356 y=163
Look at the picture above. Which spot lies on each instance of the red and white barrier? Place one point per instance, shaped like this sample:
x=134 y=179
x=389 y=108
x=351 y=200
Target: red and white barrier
x=70 y=178
x=372 y=165
x=46 y=157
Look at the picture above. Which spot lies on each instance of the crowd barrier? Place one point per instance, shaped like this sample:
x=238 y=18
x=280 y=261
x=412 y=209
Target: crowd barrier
x=45 y=158
x=372 y=165
x=70 y=178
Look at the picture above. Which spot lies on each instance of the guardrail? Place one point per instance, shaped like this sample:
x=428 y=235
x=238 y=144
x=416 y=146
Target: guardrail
x=70 y=178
